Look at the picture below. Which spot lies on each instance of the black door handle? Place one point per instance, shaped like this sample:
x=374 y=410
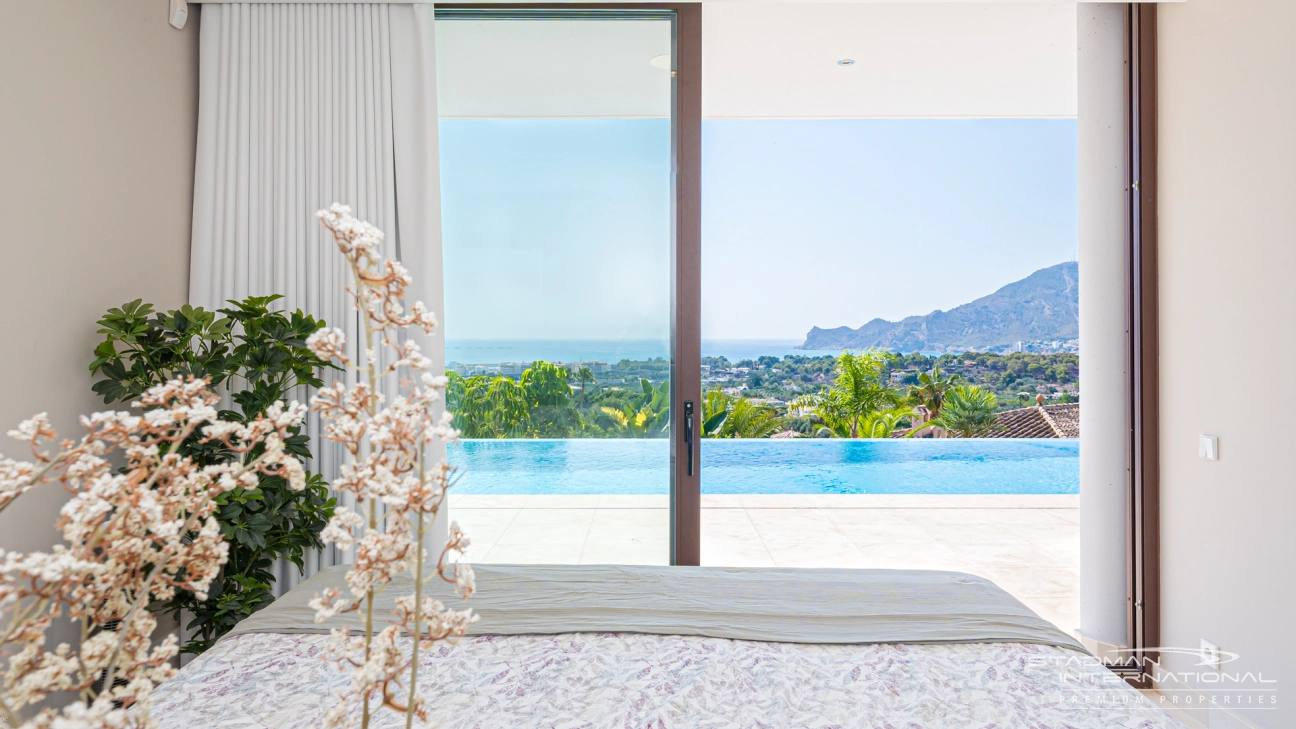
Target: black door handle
x=688 y=433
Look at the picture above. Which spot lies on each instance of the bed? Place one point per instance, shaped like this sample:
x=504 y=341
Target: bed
x=606 y=646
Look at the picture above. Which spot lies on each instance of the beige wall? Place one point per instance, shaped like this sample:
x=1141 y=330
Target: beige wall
x=98 y=118
x=1227 y=148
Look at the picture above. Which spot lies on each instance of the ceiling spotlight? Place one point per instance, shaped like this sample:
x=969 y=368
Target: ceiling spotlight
x=846 y=62
x=663 y=62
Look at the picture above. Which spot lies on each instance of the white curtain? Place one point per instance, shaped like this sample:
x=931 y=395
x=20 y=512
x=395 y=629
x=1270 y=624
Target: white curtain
x=302 y=105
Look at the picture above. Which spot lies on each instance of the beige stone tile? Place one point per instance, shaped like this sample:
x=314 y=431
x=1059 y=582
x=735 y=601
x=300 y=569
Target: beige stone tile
x=1048 y=501
x=967 y=534
x=628 y=536
x=929 y=556
x=811 y=552
x=867 y=517
x=634 y=501
x=1071 y=516
x=903 y=533
x=775 y=501
x=657 y=520
x=722 y=501
x=556 y=535
x=729 y=539
x=533 y=553
x=984 y=516
x=1060 y=534
x=487 y=501
x=788 y=517
x=657 y=553
x=564 y=501
x=1003 y=557
x=948 y=501
x=723 y=551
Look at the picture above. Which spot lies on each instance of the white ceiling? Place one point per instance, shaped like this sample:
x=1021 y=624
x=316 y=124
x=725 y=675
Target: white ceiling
x=552 y=68
x=911 y=60
x=774 y=60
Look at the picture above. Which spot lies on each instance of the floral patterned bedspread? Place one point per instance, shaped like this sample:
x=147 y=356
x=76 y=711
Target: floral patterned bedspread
x=633 y=681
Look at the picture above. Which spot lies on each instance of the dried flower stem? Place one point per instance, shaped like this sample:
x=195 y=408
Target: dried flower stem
x=133 y=535
x=387 y=442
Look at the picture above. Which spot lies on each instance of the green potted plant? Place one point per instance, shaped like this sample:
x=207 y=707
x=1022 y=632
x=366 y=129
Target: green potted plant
x=258 y=356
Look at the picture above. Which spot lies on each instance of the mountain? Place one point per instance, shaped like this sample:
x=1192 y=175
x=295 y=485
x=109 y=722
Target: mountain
x=1044 y=305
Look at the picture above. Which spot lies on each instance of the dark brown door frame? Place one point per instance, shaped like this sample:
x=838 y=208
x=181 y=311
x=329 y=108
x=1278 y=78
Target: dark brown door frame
x=686 y=286
x=1144 y=582
x=686 y=252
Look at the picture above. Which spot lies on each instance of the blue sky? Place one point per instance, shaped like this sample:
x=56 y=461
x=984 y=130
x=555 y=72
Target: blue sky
x=560 y=229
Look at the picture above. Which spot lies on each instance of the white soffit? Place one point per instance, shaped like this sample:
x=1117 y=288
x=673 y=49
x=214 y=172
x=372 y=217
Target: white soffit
x=773 y=60
x=779 y=60
x=508 y=69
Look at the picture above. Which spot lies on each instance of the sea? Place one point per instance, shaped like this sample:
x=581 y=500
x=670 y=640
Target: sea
x=494 y=351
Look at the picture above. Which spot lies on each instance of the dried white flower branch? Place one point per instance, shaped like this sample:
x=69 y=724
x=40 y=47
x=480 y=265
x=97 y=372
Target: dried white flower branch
x=134 y=535
x=389 y=453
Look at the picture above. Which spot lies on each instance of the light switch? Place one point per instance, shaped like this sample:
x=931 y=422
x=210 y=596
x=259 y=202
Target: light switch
x=1208 y=447
x=1210 y=653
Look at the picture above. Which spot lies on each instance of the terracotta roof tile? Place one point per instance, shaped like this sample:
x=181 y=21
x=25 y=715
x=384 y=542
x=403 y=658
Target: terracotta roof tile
x=1040 y=421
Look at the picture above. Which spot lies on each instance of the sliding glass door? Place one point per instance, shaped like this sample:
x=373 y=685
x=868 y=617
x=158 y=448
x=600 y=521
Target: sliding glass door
x=557 y=149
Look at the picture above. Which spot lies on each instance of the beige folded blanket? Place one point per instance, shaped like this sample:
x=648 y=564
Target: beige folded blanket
x=775 y=605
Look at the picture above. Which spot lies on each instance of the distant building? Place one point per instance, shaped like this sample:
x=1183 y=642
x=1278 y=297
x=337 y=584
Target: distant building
x=512 y=369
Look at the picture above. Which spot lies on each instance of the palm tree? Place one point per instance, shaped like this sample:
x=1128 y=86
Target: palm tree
x=726 y=416
x=932 y=388
x=747 y=419
x=880 y=424
x=968 y=412
x=859 y=391
x=584 y=375
x=715 y=408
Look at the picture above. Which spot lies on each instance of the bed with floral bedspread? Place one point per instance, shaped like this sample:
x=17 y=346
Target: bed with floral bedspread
x=699 y=672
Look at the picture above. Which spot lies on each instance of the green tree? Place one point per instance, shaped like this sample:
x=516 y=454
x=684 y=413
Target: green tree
x=258 y=356
x=725 y=416
x=585 y=376
x=546 y=385
x=715 y=408
x=932 y=388
x=489 y=407
x=881 y=423
x=645 y=416
x=747 y=419
x=859 y=390
x=548 y=401
x=968 y=412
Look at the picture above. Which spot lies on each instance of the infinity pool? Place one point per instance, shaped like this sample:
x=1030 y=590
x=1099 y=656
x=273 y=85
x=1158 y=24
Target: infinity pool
x=800 y=466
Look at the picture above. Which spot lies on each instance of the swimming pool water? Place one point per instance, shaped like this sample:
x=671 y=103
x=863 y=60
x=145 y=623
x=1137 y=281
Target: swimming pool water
x=764 y=466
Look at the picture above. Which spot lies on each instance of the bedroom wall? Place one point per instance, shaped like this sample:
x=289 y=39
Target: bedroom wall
x=97 y=134
x=1227 y=76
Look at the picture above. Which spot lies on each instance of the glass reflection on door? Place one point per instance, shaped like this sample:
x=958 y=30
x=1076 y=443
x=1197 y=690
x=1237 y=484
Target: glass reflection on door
x=555 y=151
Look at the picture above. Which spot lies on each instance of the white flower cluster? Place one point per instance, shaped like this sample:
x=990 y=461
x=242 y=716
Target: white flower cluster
x=133 y=535
x=389 y=467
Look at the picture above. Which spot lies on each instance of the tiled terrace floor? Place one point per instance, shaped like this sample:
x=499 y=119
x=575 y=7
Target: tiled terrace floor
x=1029 y=545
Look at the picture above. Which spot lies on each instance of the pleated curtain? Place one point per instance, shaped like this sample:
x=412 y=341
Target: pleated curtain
x=302 y=105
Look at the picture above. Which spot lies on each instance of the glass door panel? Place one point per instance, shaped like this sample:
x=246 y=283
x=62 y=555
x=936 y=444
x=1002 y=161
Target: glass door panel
x=890 y=335
x=556 y=156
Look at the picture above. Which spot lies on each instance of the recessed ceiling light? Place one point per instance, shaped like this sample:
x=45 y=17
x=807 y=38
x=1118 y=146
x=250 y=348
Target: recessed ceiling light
x=846 y=62
x=663 y=62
